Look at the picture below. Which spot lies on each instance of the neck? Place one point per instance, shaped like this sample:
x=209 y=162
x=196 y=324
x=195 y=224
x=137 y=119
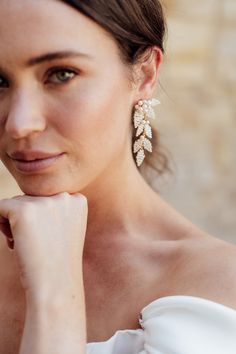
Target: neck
x=120 y=202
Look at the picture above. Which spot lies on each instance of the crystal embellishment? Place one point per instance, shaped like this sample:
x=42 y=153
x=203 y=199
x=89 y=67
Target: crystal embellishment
x=140 y=129
x=143 y=111
x=137 y=119
x=140 y=157
x=147 y=145
x=148 y=130
x=137 y=145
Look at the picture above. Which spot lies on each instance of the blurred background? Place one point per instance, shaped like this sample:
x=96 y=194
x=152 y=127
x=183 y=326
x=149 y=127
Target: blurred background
x=197 y=117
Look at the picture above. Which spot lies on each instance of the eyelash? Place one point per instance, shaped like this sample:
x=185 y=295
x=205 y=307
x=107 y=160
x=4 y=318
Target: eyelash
x=57 y=70
x=50 y=73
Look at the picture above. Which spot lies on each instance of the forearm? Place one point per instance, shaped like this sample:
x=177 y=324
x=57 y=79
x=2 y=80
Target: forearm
x=55 y=326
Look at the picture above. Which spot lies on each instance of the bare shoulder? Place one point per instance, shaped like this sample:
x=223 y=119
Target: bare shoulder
x=207 y=268
x=209 y=246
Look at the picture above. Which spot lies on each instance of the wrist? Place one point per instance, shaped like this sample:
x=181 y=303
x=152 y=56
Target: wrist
x=55 y=294
x=54 y=322
x=62 y=309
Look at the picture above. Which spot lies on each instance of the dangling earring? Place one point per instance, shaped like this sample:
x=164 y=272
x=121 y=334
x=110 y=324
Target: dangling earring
x=143 y=112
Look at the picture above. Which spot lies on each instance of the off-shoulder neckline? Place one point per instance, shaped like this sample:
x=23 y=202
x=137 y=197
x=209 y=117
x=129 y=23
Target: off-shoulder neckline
x=167 y=300
x=188 y=298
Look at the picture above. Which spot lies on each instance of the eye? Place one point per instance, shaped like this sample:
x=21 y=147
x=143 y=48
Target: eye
x=3 y=82
x=60 y=75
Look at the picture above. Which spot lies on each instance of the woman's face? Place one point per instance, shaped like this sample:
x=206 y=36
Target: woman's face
x=63 y=91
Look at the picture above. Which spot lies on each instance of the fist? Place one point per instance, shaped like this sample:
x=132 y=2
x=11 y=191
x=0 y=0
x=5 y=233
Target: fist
x=47 y=235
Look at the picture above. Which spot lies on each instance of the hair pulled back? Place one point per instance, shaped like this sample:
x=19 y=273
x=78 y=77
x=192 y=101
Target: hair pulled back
x=136 y=26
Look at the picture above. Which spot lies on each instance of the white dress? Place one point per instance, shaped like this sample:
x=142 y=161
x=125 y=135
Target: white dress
x=177 y=324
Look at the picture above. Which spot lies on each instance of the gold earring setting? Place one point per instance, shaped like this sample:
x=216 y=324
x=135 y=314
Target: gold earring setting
x=143 y=111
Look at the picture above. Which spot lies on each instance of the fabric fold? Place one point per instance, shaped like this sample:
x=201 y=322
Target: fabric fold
x=179 y=324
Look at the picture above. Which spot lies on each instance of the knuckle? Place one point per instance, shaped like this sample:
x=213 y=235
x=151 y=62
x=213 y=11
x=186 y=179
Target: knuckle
x=84 y=204
x=62 y=196
x=82 y=199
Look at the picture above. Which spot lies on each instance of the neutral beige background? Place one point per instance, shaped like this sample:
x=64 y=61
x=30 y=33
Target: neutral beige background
x=197 y=119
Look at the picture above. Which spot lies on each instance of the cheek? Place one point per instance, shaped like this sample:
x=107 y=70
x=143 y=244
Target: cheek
x=94 y=119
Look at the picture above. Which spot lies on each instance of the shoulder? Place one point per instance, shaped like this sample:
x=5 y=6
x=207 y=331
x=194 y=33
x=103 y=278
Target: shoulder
x=207 y=268
x=211 y=252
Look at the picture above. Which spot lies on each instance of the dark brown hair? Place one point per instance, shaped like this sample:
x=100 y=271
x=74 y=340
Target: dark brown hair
x=136 y=26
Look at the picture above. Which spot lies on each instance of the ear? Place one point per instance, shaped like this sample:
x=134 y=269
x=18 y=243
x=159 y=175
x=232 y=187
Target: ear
x=146 y=73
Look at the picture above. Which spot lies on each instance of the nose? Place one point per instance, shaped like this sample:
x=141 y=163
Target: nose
x=24 y=117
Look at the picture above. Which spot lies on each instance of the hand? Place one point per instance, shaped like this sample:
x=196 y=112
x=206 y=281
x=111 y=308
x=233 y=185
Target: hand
x=48 y=236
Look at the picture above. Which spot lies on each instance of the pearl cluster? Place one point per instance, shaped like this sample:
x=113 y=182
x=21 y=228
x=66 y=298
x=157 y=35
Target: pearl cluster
x=143 y=112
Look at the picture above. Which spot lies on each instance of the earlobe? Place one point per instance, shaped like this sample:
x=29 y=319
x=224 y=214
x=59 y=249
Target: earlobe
x=149 y=72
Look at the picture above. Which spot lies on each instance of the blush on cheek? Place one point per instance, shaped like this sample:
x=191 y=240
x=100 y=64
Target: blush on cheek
x=76 y=117
x=93 y=111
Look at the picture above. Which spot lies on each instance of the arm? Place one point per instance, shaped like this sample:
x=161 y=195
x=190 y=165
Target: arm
x=47 y=234
x=55 y=324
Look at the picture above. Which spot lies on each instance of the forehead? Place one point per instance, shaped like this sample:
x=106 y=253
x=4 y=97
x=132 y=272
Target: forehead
x=31 y=27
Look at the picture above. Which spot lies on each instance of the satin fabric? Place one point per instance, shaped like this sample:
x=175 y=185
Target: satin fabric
x=177 y=324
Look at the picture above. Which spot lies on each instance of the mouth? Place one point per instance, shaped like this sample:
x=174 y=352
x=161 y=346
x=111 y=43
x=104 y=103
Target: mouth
x=33 y=165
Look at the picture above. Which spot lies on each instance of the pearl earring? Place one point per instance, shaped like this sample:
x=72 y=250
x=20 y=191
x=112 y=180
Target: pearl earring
x=143 y=112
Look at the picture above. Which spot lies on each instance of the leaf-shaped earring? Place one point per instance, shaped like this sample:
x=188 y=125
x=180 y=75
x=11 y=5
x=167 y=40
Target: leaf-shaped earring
x=143 y=111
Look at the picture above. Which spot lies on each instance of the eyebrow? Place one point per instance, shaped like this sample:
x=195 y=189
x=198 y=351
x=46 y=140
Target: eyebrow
x=56 y=55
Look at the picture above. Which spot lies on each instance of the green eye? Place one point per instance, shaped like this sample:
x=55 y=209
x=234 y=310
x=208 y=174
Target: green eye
x=59 y=76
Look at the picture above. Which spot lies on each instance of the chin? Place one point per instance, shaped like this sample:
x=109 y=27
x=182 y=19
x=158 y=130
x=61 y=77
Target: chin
x=45 y=188
x=40 y=192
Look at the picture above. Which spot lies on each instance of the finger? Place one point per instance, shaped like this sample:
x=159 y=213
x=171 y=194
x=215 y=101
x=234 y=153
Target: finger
x=8 y=210
x=6 y=231
x=5 y=227
x=6 y=207
x=10 y=243
x=3 y=220
x=80 y=197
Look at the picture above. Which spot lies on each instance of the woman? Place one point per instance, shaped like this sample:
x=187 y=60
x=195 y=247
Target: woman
x=96 y=261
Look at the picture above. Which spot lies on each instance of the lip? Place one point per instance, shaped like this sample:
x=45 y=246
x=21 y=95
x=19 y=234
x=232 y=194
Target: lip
x=34 y=161
x=30 y=155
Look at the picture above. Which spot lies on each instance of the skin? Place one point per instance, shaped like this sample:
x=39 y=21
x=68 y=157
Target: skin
x=127 y=239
